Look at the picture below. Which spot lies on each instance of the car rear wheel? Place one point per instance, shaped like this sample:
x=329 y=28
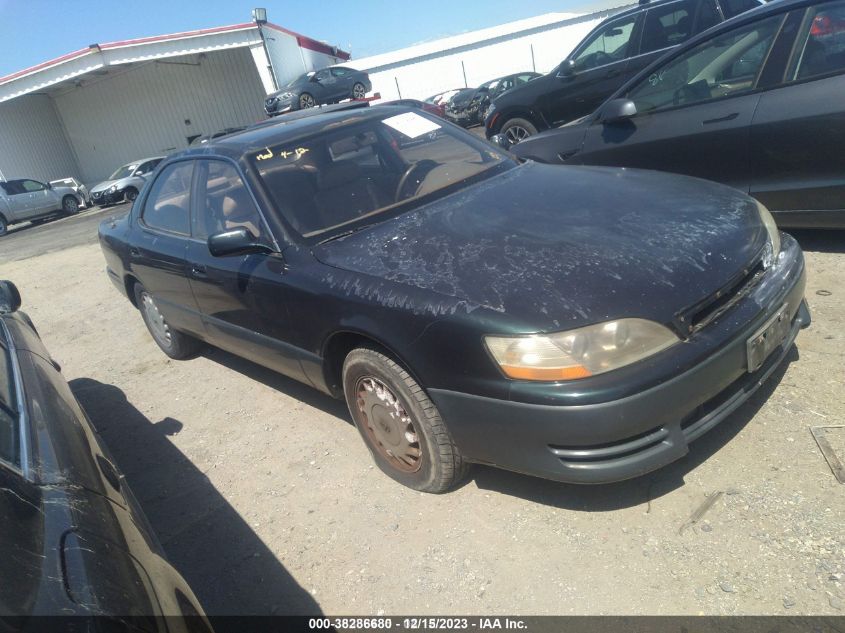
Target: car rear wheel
x=400 y=424
x=358 y=90
x=176 y=345
x=4 y=226
x=517 y=130
x=131 y=193
x=70 y=205
x=306 y=101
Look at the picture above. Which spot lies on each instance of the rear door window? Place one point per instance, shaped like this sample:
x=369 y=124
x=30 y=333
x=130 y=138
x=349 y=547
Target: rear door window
x=168 y=202
x=822 y=44
x=666 y=26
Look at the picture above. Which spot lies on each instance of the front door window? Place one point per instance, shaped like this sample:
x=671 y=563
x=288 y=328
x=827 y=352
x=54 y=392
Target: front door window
x=610 y=44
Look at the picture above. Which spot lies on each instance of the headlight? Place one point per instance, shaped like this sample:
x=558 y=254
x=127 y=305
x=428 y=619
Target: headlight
x=113 y=188
x=773 y=250
x=587 y=351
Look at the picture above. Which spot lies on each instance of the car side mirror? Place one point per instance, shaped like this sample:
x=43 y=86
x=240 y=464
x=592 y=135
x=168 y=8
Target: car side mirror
x=618 y=110
x=48 y=186
x=235 y=242
x=501 y=140
x=10 y=298
x=566 y=69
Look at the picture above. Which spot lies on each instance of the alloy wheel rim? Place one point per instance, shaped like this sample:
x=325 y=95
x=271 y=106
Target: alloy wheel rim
x=388 y=425
x=358 y=91
x=71 y=206
x=158 y=326
x=516 y=133
x=306 y=101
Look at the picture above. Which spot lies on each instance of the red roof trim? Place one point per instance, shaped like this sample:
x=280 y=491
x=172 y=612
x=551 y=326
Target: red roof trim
x=176 y=36
x=47 y=64
x=302 y=40
x=311 y=44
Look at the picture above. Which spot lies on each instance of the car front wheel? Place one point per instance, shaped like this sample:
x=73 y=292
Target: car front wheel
x=306 y=101
x=400 y=424
x=517 y=130
x=70 y=205
x=131 y=193
x=176 y=345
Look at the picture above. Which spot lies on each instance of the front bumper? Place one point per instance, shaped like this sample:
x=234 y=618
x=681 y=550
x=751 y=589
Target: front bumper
x=102 y=198
x=634 y=435
x=277 y=107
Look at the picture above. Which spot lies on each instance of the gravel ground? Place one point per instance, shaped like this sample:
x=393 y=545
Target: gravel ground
x=267 y=501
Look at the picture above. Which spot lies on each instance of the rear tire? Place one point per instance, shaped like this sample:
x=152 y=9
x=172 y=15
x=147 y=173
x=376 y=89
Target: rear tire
x=177 y=345
x=517 y=130
x=400 y=424
x=359 y=91
x=4 y=226
x=70 y=205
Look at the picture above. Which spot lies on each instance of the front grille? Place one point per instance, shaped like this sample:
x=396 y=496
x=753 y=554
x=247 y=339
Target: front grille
x=711 y=308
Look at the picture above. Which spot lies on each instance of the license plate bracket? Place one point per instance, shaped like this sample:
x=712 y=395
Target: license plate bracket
x=766 y=339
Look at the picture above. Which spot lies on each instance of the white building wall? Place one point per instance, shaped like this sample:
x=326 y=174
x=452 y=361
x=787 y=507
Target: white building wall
x=153 y=108
x=539 y=49
x=32 y=141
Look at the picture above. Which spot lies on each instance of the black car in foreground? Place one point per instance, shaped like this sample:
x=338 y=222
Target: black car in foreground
x=328 y=85
x=755 y=103
x=616 y=50
x=73 y=540
x=576 y=323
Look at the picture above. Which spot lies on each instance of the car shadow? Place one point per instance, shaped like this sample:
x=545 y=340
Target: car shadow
x=225 y=562
x=824 y=241
x=644 y=489
x=293 y=388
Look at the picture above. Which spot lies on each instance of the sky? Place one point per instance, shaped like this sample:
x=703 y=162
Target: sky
x=33 y=31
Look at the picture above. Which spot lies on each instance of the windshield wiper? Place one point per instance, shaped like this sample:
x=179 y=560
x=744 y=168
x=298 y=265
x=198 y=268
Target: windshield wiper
x=344 y=233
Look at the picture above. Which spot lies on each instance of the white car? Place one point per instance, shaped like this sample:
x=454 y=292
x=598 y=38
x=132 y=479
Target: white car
x=26 y=200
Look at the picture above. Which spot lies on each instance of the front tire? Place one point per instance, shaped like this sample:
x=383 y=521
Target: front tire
x=400 y=424
x=176 y=345
x=306 y=101
x=517 y=130
x=4 y=226
x=130 y=194
x=70 y=205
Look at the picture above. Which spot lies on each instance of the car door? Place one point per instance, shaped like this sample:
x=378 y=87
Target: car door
x=243 y=299
x=694 y=112
x=159 y=243
x=16 y=201
x=325 y=86
x=344 y=79
x=798 y=131
x=592 y=72
x=41 y=198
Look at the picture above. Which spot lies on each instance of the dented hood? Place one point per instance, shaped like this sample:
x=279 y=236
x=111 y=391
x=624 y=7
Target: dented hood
x=556 y=246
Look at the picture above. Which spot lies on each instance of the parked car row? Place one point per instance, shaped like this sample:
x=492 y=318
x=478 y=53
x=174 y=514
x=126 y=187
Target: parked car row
x=753 y=103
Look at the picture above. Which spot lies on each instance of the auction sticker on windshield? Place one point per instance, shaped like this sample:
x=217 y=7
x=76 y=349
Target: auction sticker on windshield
x=411 y=124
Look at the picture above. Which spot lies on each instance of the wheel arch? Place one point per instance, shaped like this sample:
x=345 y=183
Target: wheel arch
x=129 y=283
x=338 y=345
x=522 y=113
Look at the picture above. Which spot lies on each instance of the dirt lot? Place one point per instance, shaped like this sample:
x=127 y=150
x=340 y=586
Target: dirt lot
x=267 y=501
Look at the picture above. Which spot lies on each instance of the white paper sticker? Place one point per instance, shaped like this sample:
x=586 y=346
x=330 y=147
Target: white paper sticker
x=411 y=124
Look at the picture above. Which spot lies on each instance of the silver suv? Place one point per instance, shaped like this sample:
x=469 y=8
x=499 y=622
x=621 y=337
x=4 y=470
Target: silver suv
x=125 y=182
x=26 y=200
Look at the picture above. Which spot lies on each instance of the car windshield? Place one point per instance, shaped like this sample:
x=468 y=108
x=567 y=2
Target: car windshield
x=123 y=172
x=351 y=173
x=298 y=80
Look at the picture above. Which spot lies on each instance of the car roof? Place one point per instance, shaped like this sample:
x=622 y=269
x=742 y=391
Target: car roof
x=283 y=128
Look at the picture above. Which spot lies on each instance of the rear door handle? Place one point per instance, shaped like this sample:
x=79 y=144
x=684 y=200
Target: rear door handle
x=198 y=270
x=721 y=119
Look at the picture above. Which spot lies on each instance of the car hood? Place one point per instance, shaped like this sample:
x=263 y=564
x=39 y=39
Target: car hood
x=558 y=145
x=555 y=247
x=105 y=185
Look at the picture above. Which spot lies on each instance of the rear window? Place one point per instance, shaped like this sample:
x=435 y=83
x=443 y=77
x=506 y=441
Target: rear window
x=361 y=169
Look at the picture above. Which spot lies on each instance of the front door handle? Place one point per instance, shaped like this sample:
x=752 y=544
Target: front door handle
x=198 y=270
x=721 y=119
